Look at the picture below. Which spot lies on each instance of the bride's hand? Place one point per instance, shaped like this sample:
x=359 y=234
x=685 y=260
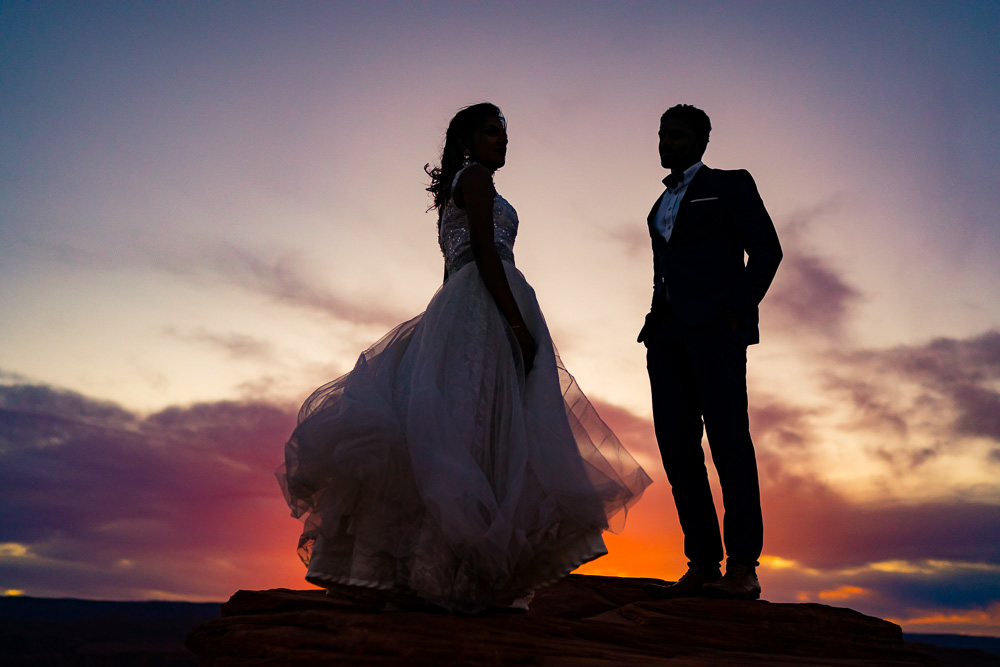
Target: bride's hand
x=527 y=344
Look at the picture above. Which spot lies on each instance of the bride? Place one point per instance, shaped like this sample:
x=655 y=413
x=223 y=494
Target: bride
x=458 y=463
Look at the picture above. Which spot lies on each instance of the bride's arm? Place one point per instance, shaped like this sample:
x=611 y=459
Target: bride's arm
x=475 y=191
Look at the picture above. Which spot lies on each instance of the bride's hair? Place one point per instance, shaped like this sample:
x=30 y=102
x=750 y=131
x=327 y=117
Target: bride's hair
x=461 y=130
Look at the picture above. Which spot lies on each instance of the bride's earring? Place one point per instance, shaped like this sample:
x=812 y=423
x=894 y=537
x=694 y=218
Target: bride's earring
x=465 y=158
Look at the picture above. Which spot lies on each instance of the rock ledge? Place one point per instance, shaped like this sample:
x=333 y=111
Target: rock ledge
x=581 y=621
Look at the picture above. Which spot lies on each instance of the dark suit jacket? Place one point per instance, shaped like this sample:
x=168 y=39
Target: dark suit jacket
x=702 y=268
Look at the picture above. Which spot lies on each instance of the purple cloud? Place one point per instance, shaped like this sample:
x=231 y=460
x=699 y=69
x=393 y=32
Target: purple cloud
x=113 y=504
x=285 y=281
x=809 y=295
x=945 y=389
x=281 y=278
x=235 y=345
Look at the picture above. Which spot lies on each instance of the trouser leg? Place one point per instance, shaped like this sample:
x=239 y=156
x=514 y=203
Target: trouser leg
x=719 y=360
x=678 y=425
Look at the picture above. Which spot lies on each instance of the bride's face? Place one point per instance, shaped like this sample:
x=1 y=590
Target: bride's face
x=489 y=145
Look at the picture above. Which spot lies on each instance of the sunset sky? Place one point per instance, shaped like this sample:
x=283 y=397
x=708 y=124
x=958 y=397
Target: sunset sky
x=208 y=209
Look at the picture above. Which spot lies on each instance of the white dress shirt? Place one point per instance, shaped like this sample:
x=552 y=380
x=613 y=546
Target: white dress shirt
x=666 y=215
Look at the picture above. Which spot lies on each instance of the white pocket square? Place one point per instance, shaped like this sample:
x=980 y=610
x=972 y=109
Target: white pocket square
x=695 y=201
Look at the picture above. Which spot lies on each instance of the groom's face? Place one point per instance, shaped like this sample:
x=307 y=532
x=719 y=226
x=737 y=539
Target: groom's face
x=679 y=147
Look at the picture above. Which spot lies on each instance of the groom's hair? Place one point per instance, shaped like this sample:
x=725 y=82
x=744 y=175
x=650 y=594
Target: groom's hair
x=696 y=119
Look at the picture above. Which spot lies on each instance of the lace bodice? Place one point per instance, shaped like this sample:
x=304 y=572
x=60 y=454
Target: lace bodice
x=455 y=239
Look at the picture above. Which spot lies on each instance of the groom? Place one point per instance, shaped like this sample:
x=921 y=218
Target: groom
x=703 y=317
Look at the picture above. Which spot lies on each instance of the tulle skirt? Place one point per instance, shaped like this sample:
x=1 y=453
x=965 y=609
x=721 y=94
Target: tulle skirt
x=438 y=470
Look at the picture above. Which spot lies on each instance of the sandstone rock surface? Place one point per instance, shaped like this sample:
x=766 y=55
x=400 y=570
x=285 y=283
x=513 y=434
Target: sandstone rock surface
x=581 y=621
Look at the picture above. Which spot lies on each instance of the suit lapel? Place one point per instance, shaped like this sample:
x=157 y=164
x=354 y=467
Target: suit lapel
x=698 y=186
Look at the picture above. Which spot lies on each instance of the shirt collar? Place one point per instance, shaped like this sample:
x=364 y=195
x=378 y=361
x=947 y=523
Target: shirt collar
x=687 y=176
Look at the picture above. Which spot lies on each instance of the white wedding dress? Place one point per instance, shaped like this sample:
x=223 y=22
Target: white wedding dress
x=437 y=470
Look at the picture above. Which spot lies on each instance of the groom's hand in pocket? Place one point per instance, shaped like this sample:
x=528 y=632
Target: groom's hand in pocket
x=733 y=319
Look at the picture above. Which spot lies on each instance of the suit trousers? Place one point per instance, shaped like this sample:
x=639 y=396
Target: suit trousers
x=698 y=375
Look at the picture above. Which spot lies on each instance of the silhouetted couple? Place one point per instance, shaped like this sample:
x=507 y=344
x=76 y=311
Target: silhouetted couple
x=459 y=464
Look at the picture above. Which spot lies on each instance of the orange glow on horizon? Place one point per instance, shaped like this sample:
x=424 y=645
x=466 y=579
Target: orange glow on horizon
x=842 y=593
x=981 y=622
x=986 y=617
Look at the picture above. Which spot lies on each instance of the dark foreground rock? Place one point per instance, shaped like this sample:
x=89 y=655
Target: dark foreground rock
x=582 y=621
x=46 y=632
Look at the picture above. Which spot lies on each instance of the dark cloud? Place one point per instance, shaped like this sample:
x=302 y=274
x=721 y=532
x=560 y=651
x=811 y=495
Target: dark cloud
x=807 y=521
x=819 y=526
x=634 y=432
x=945 y=390
x=25 y=402
x=779 y=426
x=896 y=559
x=965 y=371
x=955 y=597
x=877 y=406
x=809 y=295
x=285 y=281
x=929 y=584
x=11 y=377
x=140 y=504
x=282 y=278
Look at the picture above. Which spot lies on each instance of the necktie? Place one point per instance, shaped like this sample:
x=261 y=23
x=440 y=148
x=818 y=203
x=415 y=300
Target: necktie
x=672 y=182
